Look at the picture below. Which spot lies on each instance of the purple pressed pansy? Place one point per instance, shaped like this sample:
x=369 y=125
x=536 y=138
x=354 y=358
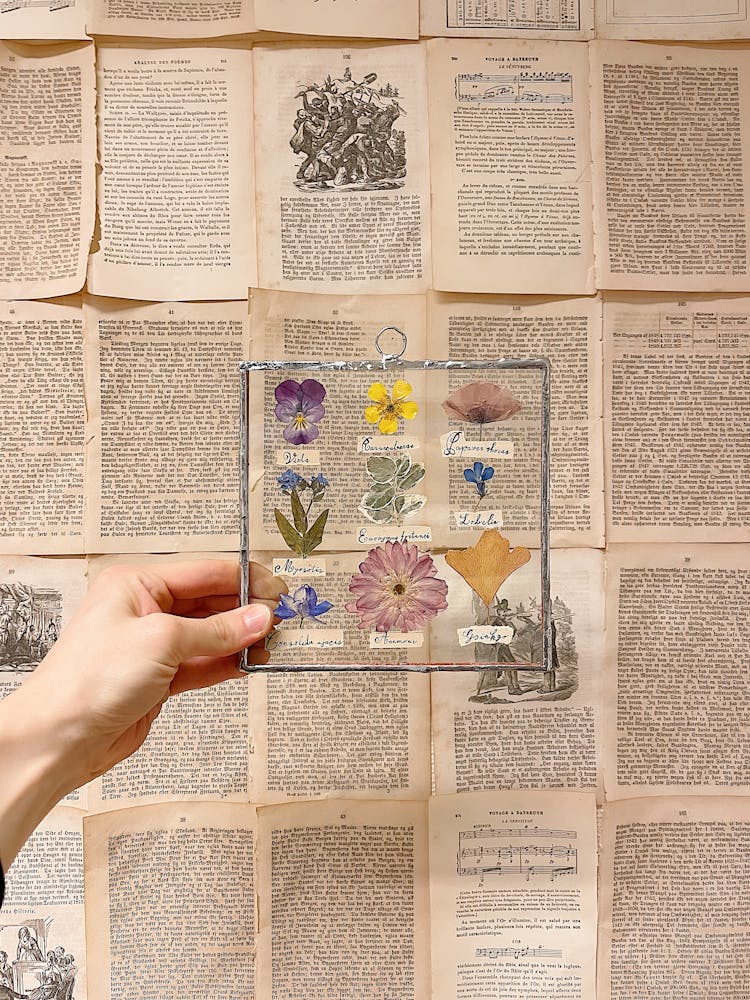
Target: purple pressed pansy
x=299 y=406
x=303 y=603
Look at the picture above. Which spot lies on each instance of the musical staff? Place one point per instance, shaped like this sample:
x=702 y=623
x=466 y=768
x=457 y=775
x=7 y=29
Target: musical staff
x=8 y=6
x=518 y=953
x=515 y=88
x=528 y=857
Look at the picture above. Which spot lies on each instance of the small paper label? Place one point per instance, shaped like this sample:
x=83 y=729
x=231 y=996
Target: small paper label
x=392 y=443
x=297 y=568
x=455 y=445
x=396 y=640
x=283 y=639
x=470 y=519
x=298 y=456
x=489 y=634
x=370 y=535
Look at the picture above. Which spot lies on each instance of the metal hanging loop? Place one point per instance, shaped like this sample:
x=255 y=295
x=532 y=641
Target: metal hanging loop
x=386 y=355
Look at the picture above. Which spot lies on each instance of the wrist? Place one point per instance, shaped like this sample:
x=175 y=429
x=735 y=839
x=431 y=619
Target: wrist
x=36 y=763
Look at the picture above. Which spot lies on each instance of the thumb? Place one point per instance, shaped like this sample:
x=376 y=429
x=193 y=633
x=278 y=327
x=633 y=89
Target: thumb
x=222 y=634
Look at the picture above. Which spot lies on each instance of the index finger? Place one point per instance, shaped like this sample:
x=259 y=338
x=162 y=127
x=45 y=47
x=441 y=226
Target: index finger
x=200 y=578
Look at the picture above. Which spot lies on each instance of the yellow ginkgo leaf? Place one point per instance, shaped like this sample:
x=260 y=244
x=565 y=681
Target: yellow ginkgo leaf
x=487 y=564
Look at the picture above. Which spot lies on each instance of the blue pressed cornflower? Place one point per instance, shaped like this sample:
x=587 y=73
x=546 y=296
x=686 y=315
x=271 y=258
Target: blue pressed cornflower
x=303 y=603
x=320 y=482
x=289 y=480
x=480 y=474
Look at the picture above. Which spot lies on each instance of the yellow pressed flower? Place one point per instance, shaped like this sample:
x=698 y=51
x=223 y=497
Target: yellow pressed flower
x=388 y=408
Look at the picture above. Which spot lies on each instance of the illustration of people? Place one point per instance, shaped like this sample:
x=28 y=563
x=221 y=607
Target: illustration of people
x=70 y=970
x=345 y=130
x=52 y=980
x=499 y=652
x=28 y=946
x=6 y=973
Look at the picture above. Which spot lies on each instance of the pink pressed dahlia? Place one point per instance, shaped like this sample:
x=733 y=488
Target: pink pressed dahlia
x=396 y=589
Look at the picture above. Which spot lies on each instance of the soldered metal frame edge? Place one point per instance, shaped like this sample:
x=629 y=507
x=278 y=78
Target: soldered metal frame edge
x=395 y=363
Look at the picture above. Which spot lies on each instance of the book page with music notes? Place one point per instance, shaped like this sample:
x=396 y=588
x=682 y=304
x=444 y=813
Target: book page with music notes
x=513 y=895
x=509 y=152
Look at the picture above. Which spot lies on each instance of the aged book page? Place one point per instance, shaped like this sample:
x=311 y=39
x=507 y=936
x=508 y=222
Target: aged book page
x=47 y=157
x=568 y=19
x=176 y=189
x=671 y=186
x=44 y=412
x=672 y=19
x=163 y=440
x=200 y=745
x=170 y=907
x=509 y=149
x=675 y=899
x=342 y=168
x=486 y=736
x=676 y=407
x=568 y=333
x=44 y=19
x=362 y=735
x=42 y=930
x=343 y=905
x=171 y=18
x=340 y=18
x=37 y=599
x=678 y=639
x=301 y=327
x=513 y=896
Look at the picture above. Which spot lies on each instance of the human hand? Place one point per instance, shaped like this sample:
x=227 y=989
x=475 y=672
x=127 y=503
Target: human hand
x=141 y=634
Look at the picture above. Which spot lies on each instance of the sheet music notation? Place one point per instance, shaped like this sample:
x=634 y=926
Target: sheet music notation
x=515 y=88
x=498 y=855
x=517 y=953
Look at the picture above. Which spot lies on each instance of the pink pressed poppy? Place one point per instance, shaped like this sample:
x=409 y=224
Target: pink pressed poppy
x=481 y=403
x=396 y=589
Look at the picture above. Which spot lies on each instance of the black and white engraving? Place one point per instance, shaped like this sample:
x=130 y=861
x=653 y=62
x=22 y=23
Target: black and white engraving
x=30 y=967
x=30 y=622
x=506 y=683
x=345 y=135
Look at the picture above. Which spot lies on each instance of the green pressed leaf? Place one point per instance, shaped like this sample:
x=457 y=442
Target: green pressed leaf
x=298 y=513
x=381 y=468
x=315 y=535
x=292 y=537
x=380 y=488
x=412 y=503
x=402 y=466
x=412 y=477
x=377 y=499
x=381 y=516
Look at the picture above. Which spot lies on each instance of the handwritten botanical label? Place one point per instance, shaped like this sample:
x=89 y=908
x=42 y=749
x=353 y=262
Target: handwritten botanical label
x=299 y=568
x=455 y=445
x=396 y=640
x=478 y=519
x=288 y=639
x=298 y=456
x=370 y=535
x=375 y=444
x=488 y=634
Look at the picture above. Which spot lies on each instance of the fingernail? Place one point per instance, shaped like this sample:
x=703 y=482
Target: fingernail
x=257 y=618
